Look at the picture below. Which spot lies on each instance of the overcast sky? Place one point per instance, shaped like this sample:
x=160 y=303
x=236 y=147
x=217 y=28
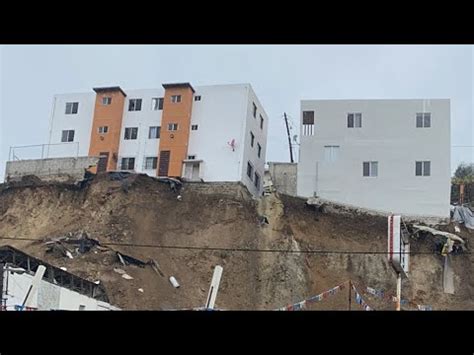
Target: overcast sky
x=280 y=75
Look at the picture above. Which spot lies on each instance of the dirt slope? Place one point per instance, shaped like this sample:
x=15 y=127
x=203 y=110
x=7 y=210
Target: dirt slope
x=141 y=210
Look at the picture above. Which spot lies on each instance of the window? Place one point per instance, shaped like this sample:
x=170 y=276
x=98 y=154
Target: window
x=191 y=157
x=82 y=307
x=331 y=153
x=257 y=181
x=254 y=111
x=160 y=103
x=194 y=127
x=354 y=120
x=154 y=132
x=259 y=150
x=131 y=133
x=72 y=108
x=197 y=98
x=106 y=100
x=423 y=168
x=252 y=138
x=423 y=120
x=250 y=170
x=172 y=126
x=128 y=164
x=67 y=136
x=175 y=98
x=103 y=129
x=370 y=168
x=135 y=105
x=155 y=103
x=261 y=122
x=308 y=123
x=151 y=163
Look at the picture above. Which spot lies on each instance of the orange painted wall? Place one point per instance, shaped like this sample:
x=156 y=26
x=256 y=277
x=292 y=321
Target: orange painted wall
x=176 y=141
x=111 y=116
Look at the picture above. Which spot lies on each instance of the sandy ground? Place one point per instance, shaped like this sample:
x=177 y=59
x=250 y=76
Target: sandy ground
x=143 y=211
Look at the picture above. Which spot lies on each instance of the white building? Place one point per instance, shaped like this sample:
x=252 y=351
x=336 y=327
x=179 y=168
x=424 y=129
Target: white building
x=57 y=290
x=390 y=156
x=207 y=133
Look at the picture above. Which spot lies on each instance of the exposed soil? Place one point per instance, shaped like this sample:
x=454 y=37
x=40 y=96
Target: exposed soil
x=141 y=210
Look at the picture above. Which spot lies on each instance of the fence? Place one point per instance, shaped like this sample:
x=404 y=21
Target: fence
x=43 y=151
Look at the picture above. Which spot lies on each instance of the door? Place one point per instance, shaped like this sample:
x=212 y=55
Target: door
x=103 y=162
x=164 y=163
x=195 y=172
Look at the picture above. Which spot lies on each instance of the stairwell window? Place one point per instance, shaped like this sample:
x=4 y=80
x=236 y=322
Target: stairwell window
x=252 y=138
x=175 y=98
x=250 y=170
x=103 y=129
x=72 y=108
x=259 y=150
x=127 y=164
x=254 y=110
x=308 y=123
x=194 y=127
x=151 y=163
x=423 y=168
x=67 y=136
x=370 y=168
x=423 y=120
x=261 y=122
x=131 y=133
x=154 y=132
x=354 y=120
x=106 y=100
x=135 y=105
x=197 y=98
x=172 y=126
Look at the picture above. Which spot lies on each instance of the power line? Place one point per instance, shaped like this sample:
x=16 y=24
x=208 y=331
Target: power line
x=253 y=250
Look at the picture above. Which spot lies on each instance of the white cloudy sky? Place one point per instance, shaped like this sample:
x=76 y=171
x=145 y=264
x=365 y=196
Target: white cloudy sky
x=280 y=75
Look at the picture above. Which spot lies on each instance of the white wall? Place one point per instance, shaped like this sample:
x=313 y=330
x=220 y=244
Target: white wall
x=141 y=147
x=81 y=123
x=220 y=116
x=250 y=153
x=49 y=296
x=388 y=135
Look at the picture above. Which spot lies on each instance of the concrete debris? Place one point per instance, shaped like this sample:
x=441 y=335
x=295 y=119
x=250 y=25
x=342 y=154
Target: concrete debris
x=174 y=282
x=121 y=259
x=127 y=277
x=457 y=229
x=433 y=231
x=119 y=271
x=63 y=268
x=140 y=290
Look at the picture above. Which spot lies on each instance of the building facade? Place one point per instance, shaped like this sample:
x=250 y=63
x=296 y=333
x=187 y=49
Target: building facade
x=390 y=156
x=207 y=133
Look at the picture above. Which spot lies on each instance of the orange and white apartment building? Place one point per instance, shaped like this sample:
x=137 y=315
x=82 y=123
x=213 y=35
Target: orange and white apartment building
x=207 y=133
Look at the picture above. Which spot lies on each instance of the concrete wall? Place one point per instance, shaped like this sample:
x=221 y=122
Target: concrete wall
x=50 y=169
x=389 y=136
x=49 y=296
x=283 y=177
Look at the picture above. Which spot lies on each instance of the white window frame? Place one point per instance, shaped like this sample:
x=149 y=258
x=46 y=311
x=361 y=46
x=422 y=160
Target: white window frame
x=155 y=103
x=103 y=129
x=172 y=127
x=131 y=130
x=423 y=116
x=356 y=119
x=71 y=106
x=331 y=153
x=158 y=132
x=154 y=162
x=133 y=103
x=69 y=139
x=175 y=99
x=106 y=100
x=373 y=168
x=423 y=165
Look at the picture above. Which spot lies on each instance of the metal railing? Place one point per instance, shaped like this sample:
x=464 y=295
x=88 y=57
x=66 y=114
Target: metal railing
x=18 y=152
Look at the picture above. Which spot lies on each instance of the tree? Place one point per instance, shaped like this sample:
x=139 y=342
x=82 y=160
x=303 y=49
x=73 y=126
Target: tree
x=464 y=173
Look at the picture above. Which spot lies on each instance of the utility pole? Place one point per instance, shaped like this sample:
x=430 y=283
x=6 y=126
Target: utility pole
x=289 y=138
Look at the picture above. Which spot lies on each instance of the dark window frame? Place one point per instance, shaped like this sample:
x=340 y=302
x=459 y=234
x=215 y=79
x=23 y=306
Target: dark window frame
x=66 y=135
x=135 y=105
x=72 y=108
x=132 y=132
x=158 y=132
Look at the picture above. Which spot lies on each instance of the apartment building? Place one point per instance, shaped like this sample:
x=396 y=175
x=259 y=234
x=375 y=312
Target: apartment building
x=206 y=133
x=391 y=156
